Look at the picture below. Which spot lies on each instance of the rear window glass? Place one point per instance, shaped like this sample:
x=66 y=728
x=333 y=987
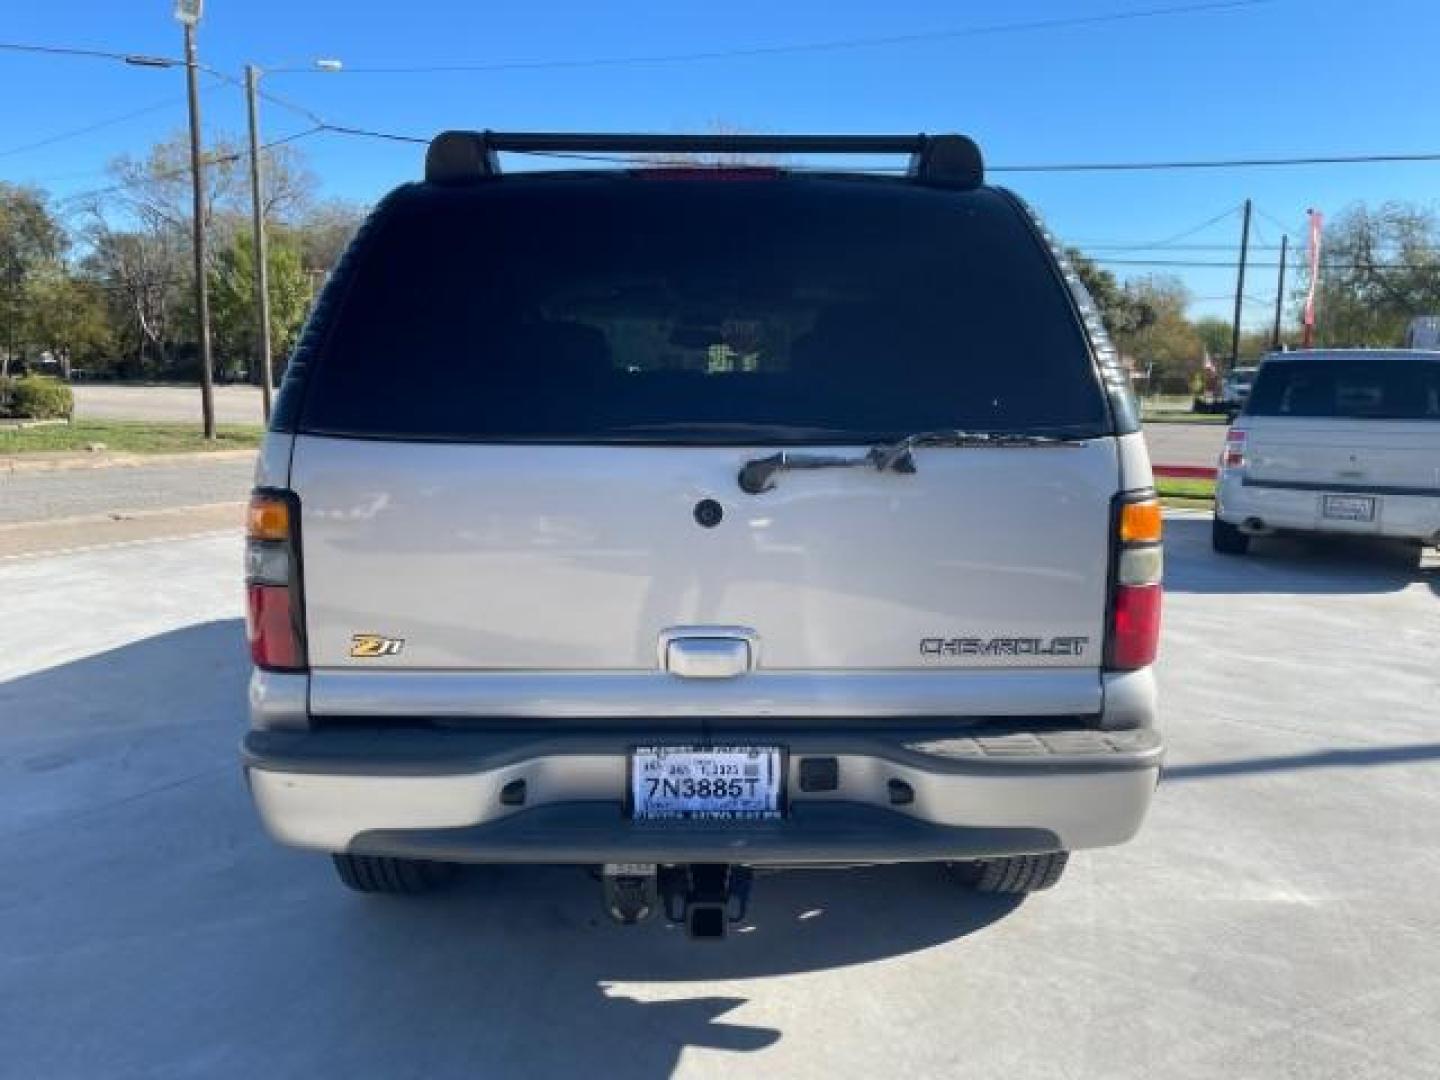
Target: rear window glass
x=701 y=310
x=1367 y=389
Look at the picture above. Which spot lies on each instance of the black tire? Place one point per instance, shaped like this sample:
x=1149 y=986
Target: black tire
x=1228 y=539
x=1016 y=874
x=403 y=877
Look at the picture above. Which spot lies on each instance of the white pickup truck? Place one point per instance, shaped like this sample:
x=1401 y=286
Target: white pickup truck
x=680 y=521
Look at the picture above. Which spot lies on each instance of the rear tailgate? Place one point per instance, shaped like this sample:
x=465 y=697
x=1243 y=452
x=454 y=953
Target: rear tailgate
x=567 y=559
x=1381 y=456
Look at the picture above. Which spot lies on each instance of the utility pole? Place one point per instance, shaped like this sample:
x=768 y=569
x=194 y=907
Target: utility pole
x=262 y=269
x=188 y=13
x=1279 y=294
x=1240 y=288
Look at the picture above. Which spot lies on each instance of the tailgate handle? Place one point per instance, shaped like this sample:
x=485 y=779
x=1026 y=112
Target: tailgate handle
x=706 y=655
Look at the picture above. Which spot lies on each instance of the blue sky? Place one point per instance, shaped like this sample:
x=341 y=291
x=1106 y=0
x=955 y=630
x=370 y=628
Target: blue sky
x=1284 y=77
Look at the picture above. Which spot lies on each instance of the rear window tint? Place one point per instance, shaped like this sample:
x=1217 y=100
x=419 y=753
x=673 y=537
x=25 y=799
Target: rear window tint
x=701 y=310
x=1371 y=388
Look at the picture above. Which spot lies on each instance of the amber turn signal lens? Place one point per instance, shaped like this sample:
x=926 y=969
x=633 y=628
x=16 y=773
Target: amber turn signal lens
x=268 y=518
x=1140 y=522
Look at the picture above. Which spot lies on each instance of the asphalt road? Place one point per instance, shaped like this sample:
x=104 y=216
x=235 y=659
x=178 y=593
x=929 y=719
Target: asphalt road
x=1276 y=917
x=1185 y=444
x=107 y=401
x=43 y=494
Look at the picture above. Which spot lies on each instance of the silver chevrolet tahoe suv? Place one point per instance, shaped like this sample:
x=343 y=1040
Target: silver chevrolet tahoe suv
x=678 y=521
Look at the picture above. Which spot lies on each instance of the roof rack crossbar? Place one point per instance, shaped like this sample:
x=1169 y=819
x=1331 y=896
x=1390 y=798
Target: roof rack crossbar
x=951 y=161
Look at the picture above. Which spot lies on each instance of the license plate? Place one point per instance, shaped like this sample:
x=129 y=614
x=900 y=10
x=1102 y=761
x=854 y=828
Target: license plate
x=1348 y=507
x=723 y=782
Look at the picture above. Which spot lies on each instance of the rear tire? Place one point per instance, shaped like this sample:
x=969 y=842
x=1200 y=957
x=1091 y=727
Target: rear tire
x=1015 y=874
x=1228 y=539
x=403 y=877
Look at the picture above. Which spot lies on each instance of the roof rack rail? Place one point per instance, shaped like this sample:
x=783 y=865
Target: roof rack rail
x=947 y=161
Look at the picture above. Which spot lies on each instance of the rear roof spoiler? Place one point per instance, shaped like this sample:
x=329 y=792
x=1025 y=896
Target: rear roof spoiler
x=946 y=161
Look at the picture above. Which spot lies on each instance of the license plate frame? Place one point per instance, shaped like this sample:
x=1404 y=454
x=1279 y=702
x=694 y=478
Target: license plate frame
x=1357 y=508
x=641 y=805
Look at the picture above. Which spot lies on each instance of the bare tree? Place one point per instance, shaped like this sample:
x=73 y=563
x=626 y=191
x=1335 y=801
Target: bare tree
x=156 y=192
x=145 y=271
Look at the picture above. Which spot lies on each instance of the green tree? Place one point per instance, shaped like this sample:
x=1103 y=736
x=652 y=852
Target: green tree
x=1124 y=311
x=69 y=318
x=1163 y=341
x=233 y=302
x=1214 y=335
x=32 y=242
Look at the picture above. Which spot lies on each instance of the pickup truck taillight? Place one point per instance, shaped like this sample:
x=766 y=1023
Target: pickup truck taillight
x=274 y=614
x=1135 y=583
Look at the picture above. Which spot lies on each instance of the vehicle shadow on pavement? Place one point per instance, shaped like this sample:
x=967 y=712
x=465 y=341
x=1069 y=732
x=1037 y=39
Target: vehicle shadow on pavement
x=523 y=961
x=1294 y=565
x=1359 y=757
x=155 y=930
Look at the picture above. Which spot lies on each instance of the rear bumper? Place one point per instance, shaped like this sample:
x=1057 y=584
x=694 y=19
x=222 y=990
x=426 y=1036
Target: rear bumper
x=1399 y=515
x=437 y=795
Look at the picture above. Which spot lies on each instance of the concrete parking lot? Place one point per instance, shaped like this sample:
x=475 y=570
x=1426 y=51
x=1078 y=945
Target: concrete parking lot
x=1276 y=918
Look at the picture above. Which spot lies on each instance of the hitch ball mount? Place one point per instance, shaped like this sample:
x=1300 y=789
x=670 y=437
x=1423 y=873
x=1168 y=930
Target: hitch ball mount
x=704 y=897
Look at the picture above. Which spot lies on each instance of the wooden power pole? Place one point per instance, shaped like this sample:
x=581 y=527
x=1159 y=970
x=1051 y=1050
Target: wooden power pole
x=1240 y=288
x=1279 y=294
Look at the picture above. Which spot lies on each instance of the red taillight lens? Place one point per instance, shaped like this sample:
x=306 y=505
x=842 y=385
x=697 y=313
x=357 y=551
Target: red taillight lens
x=272 y=582
x=1135 y=582
x=1135 y=627
x=1234 y=455
x=270 y=625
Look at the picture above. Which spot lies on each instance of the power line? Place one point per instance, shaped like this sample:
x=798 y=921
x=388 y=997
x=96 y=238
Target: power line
x=1276 y=222
x=92 y=54
x=1186 y=264
x=345 y=129
x=1038 y=167
x=834 y=45
x=171 y=174
x=1137 y=245
x=1219 y=163
x=1207 y=223
x=88 y=128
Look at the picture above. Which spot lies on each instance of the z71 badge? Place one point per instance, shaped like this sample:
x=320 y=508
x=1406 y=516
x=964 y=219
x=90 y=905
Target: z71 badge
x=369 y=646
x=1003 y=646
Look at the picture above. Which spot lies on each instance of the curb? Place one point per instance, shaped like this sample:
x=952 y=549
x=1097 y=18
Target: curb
x=1185 y=472
x=41 y=461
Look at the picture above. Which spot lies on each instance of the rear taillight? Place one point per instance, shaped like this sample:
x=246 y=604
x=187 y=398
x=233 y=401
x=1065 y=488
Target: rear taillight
x=1233 y=456
x=1135 y=584
x=274 y=618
